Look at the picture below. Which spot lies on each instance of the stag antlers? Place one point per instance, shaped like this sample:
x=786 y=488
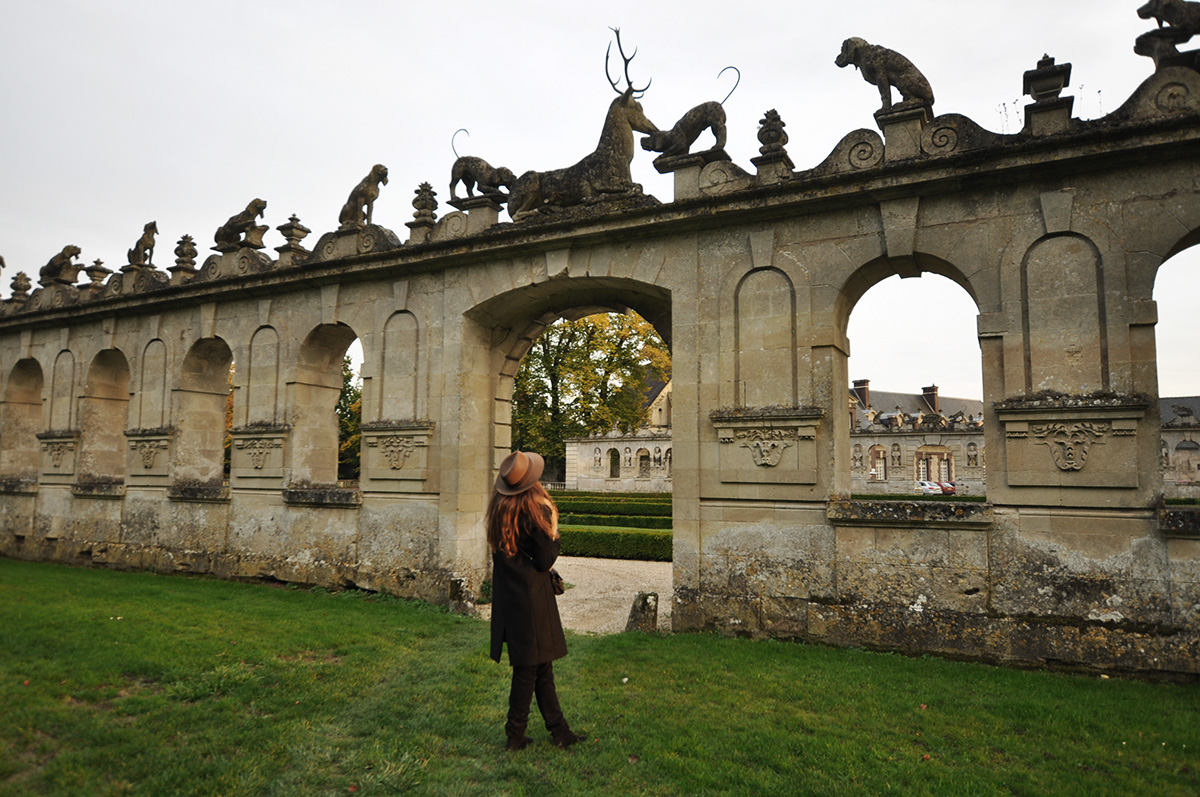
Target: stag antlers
x=628 y=82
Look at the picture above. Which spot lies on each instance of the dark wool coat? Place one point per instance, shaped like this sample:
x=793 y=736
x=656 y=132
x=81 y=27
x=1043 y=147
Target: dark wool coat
x=524 y=609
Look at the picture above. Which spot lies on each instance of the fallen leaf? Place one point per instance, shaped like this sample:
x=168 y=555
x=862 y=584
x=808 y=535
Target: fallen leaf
x=27 y=683
x=633 y=759
x=925 y=757
x=923 y=706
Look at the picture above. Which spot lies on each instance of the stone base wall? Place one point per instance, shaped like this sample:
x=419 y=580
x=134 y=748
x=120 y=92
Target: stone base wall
x=1096 y=589
x=380 y=544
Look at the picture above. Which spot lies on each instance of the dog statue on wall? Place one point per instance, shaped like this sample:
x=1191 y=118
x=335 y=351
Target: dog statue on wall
x=679 y=139
x=472 y=172
x=359 y=206
x=887 y=69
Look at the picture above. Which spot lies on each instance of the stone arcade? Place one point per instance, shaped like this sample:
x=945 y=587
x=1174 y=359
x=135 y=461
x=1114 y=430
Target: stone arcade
x=113 y=392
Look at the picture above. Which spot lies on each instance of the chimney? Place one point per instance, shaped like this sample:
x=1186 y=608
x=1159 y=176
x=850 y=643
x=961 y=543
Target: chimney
x=862 y=391
x=931 y=397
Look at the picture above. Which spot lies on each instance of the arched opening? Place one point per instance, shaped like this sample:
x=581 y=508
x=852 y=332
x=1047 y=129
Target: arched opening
x=22 y=420
x=1177 y=296
x=202 y=409
x=314 y=446
x=904 y=430
x=606 y=455
x=103 y=419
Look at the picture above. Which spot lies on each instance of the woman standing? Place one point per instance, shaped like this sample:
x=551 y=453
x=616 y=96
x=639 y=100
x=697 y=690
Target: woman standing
x=522 y=531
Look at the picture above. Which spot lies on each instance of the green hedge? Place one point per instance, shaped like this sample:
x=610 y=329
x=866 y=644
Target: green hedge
x=620 y=521
x=615 y=543
x=636 y=497
x=595 y=506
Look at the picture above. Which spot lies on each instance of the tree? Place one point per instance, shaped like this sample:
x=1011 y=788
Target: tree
x=585 y=377
x=349 y=415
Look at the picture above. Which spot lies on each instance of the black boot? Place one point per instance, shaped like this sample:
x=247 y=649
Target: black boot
x=565 y=737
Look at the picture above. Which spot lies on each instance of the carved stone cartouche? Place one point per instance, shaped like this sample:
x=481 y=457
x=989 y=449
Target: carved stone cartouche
x=886 y=69
x=359 y=207
x=229 y=236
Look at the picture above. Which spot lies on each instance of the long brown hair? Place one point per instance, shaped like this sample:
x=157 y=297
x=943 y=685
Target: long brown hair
x=507 y=514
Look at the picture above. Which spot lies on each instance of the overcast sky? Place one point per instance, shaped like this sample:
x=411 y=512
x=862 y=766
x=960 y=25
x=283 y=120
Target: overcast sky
x=121 y=112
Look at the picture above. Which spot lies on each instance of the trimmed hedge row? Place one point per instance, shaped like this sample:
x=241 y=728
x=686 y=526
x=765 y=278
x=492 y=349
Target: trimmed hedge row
x=636 y=497
x=619 y=521
x=616 y=543
x=592 y=506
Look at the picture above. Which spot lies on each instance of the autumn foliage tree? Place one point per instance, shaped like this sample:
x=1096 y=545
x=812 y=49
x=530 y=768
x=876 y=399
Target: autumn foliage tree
x=586 y=377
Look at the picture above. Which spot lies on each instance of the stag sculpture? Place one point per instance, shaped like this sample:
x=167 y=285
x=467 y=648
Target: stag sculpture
x=604 y=172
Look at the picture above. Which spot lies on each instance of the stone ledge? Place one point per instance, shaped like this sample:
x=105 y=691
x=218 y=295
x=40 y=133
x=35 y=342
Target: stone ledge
x=323 y=496
x=198 y=493
x=98 y=490
x=1180 y=521
x=18 y=486
x=910 y=513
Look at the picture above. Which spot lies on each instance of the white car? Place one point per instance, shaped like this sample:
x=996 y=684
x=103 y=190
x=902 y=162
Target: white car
x=929 y=488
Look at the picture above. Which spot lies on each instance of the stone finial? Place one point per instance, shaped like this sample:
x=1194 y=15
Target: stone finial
x=61 y=269
x=185 y=261
x=424 y=218
x=887 y=69
x=358 y=208
x=771 y=134
x=20 y=287
x=1047 y=81
x=97 y=273
x=1048 y=113
x=142 y=253
x=185 y=253
x=240 y=230
x=773 y=162
x=293 y=233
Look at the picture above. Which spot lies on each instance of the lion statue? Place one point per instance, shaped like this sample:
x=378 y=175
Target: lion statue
x=229 y=235
x=61 y=268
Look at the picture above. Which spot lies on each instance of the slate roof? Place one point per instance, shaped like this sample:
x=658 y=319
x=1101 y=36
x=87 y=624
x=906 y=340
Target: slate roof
x=1170 y=417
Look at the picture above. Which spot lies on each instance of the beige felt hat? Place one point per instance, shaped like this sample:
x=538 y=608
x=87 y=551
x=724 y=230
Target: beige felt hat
x=518 y=472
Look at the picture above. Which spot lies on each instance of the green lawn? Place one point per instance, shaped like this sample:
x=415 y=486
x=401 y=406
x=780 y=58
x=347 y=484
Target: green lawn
x=124 y=683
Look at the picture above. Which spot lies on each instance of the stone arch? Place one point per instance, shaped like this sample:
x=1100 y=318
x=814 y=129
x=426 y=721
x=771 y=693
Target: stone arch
x=643 y=463
x=152 y=405
x=400 y=397
x=103 y=419
x=614 y=463
x=510 y=322
x=1064 y=323
x=933 y=463
x=22 y=420
x=312 y=452
x=870 y=274
x=765 y=367
x=262 y=378
x=200 y=407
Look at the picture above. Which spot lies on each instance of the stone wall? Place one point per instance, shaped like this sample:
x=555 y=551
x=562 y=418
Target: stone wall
x=113 y=396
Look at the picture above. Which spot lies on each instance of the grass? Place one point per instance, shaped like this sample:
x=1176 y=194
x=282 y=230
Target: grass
x=122 y=683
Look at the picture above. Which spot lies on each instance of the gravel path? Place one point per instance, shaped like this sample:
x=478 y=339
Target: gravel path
x=600 y=592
